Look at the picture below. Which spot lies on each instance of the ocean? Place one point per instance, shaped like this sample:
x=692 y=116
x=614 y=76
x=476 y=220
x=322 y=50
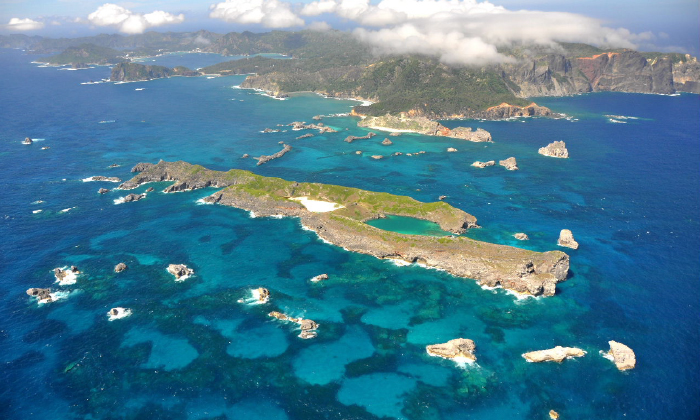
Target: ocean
x=192 y=350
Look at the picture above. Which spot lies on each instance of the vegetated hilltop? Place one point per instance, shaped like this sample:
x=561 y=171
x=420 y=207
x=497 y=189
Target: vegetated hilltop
x=84 y=54
x=336 y=64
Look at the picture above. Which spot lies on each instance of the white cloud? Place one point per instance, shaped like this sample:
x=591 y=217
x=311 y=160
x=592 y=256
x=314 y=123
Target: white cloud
x=268 y=13
x=319 y=26
x=17 y=24
x=129 y=22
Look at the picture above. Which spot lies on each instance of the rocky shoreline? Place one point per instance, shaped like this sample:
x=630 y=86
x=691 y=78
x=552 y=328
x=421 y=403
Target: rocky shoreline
x=421 y=125
x=491 y=265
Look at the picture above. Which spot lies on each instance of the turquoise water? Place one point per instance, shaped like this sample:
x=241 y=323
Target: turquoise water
x=408 y=225
x=190 y=350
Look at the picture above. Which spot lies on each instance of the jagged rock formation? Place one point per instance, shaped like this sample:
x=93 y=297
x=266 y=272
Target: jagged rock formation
x=510 y=164
x=506 y=110
x=308 y=327
x=140 y=167
x=622 y=355
x=566 y=238
x=133 y=197
x=387 y=142
x=490 y=264
x=266 y=158
x=304 y=136
x=479 y=164
x=457 y=348
x=263 y=294
x=42 y=295
x=555 y=149
x=557 y=354
x=103 y=191
x=350 y=139
x=521 y=236
x=180 y=271
x=120 y=267
x=27 y=140
x=686 y=75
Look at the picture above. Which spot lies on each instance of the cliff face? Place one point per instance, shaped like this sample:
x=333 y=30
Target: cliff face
x=134 y=72
x=627 y=71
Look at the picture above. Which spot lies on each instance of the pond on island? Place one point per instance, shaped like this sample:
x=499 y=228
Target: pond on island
x=408 y=225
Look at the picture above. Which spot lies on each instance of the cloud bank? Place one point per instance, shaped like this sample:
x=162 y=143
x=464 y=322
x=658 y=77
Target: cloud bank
x=17 y=24
x=458 y=32
x=129 y=22
x=268 y=13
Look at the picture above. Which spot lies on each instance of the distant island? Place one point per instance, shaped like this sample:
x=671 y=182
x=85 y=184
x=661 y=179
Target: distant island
x=338 y=214
x=135 y=72
x=336 y=64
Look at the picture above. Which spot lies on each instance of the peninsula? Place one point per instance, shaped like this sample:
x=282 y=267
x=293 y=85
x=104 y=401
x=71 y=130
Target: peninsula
x=343 y=224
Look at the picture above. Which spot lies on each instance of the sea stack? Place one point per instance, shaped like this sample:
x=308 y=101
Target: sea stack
x=557 y=354
x=453 y=349
x=566 y=238
x=509 y=164
x=622 y=355
x=555 y=149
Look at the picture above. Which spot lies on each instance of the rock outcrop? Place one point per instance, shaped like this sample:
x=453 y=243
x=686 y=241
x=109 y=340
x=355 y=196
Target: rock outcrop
x=451 y=149
x=521 y=236
x=553 y=415
x=510 y=164
x=387 y=142
x=135 y=72
x=262 y=294
x=457 y=348
x=557 y=354
x=566 y=238
x=266 y=158
x=555 y=149
x=622 y=355
x=304 y=136
x=103 y=191
x=423 y=125
x=523 y=271
x=318 y=278
x=140 y=167
x=308 y=327
x=120 y=267
x=180 y=271
x=118 y=313
x=27 y=140
x=42 y=295
x=350 y=139
x=133 y=197
x=478 y=164
x=102 y=179
x=505 y=110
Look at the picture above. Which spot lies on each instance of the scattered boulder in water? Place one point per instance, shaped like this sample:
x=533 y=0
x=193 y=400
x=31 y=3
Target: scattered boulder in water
x=102 y=179
x=27 y=140
x=120 y=267
x=453 y=349
x=263 y=294
x=478 y=164
x=510 y=164
x=377 y=157
x=180 y=271
x=42 y=295
x=521 y=236
x=308 y=327
x=451 y=149
x=245 y=156
x=566 y=238
x=387 y=142
x=553 y=415
x=442 y=197
x=320 y=277
x=118 y=313
x=134 y=197
x=114 y=165
x=555 y=149
x=316 y=117
x=557 y=354
x=622 y=355
x=103 y=191
x=149 y=189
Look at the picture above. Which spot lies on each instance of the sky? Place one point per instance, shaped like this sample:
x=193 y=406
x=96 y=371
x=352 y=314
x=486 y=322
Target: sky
x=458 y=31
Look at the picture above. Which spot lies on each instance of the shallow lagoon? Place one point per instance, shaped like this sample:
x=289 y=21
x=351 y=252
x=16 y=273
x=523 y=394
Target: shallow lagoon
x=191 y=350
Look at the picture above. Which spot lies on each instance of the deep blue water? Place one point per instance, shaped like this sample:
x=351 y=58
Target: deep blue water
x=629 y=192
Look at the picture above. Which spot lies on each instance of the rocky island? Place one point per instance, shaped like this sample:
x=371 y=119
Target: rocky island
x=404 y=122
x=134 y=72
x=338 y=214
x=557 y=354
x=459 y=348
x=555 y=149
x=621 y=355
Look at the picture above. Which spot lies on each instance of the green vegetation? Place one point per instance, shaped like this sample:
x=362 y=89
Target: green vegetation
x=131 y=72
x=85 y=54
